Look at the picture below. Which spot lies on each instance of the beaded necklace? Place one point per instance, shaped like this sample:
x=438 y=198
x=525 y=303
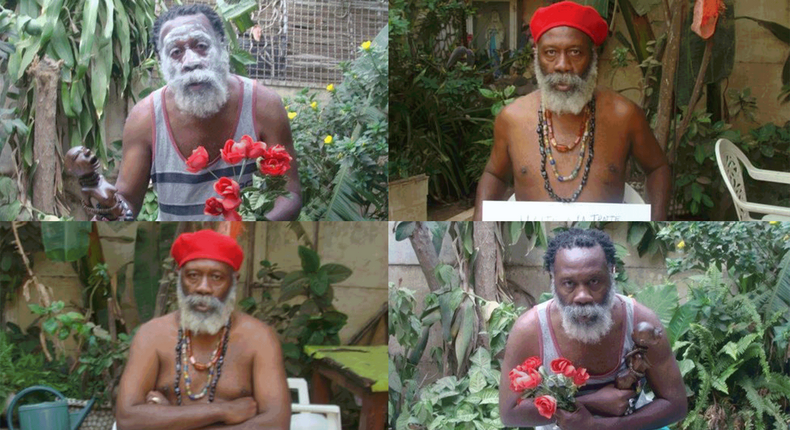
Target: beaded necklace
x=584 y=131
x=184 y=350
x=545 y=152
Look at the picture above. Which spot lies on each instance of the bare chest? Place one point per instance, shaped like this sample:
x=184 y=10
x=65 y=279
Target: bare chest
x=606 y=176
x=235 y=377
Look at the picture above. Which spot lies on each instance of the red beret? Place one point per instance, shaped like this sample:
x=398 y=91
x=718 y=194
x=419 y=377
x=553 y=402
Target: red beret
x=207 y=244
x=569 y=14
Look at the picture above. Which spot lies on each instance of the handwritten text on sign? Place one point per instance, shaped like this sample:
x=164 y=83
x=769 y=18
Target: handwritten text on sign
x=555 y=211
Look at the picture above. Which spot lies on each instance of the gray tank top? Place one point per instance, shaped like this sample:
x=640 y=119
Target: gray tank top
x=549 y=350
x=182 y=194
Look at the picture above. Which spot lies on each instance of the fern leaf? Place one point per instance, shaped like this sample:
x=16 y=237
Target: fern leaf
x=779 y=297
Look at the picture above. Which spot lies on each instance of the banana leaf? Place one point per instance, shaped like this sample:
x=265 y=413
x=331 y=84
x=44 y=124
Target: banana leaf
x=639 y=29
x=66 y=241
x=151 y=248
x=691 y=49
x=779 y=298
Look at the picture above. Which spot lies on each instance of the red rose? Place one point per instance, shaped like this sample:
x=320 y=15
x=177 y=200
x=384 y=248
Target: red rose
x=233 y=152
x=254 y=149
x=546 y=405
x=215 y=207
x=276 y=161
x=229 y=189
x=560 y=365
x=580 y=377
x=530 y=363
x=198 y=160
x=524 y=380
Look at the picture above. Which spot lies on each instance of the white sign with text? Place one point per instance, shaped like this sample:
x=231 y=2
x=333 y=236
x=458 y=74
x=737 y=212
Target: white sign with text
x=556 y=211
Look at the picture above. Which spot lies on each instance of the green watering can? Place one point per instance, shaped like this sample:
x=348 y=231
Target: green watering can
x=47 y=415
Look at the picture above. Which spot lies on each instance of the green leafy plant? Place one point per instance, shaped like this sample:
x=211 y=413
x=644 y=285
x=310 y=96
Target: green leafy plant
x=312 y=321
x=342 y=144
x=467 y=401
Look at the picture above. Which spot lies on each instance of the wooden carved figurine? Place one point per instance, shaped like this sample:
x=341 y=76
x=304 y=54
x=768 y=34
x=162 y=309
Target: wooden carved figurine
x=644 y=336
x=99 y=197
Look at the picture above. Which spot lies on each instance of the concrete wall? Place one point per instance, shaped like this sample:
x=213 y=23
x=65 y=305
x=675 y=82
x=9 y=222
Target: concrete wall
x=759 y=57
x=360 y=246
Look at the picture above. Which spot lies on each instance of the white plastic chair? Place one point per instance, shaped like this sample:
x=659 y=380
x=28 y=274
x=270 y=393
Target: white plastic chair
x=729 y=158
x=629 y=196
x=310 y=416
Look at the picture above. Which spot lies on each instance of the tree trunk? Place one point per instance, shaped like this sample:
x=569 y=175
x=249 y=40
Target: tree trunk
x=46 y=76
x=666 y=102
x=486 y=261
x=421 y=241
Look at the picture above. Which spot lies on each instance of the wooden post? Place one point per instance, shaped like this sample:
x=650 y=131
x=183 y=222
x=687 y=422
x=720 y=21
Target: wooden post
x=46 y=76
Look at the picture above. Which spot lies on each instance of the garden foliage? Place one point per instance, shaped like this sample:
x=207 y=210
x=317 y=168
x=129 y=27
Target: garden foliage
x=342 y=144
x=440 y=121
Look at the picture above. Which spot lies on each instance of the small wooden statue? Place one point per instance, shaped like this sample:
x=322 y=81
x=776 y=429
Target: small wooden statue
x=99 y=197
x=645 y=336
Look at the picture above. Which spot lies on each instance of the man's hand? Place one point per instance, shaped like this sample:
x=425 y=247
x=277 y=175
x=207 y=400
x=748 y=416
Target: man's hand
x=156 y=398
x=239 y=410
x=582 y=419
x=608 y=401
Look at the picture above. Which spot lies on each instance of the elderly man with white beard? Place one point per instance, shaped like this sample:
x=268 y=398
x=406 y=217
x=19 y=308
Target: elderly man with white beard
x=204 y=366
x=590 y=325
x=570 y=140
x=205 y=105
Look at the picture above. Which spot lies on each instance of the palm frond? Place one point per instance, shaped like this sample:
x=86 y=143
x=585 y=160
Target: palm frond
x=343 y=205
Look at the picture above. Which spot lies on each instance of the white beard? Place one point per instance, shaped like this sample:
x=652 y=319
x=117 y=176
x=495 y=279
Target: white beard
x=573 y=100
x=203 y=102
x=600 y=314
x=211 y=321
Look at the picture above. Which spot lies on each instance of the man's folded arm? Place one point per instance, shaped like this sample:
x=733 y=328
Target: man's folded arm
x=270 y=386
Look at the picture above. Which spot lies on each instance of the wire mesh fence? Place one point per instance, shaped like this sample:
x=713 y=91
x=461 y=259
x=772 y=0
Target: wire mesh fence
x=299 y=43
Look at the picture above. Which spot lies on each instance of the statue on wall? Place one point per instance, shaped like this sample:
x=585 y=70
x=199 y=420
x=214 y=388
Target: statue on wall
x=99 y=197
x=495 y=35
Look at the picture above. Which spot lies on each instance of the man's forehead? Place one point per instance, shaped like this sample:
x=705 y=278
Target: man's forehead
x=582 y=256
x=207 y=264
x=564 y=34
x=183 y=26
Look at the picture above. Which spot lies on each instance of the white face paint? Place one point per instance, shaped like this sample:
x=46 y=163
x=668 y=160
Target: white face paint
x=598 y=317
x=196 y=67
x=574 y=99
x=210 y=321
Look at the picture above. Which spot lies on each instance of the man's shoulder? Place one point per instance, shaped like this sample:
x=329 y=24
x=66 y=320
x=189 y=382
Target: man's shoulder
x=521 y=107
x=154 y=327
x=249 y=324
x=616 y=104
x=528 y=322
x=644 y=314
x=139 y=118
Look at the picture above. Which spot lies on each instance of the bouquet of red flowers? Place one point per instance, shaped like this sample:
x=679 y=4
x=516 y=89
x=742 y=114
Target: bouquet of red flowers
x=259 y=199
x=530 y=379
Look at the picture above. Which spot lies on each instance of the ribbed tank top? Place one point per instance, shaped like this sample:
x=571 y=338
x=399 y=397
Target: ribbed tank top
x=182 y=194
x=549 y=351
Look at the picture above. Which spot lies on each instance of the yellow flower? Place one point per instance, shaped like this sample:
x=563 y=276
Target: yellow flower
x=328 y=139
x=787 y=236
x=314 y=105
x=366 y=45
x=773 y=222
x=681 y=245
x=287 y=107
x=330 y=88
x=291 y=115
